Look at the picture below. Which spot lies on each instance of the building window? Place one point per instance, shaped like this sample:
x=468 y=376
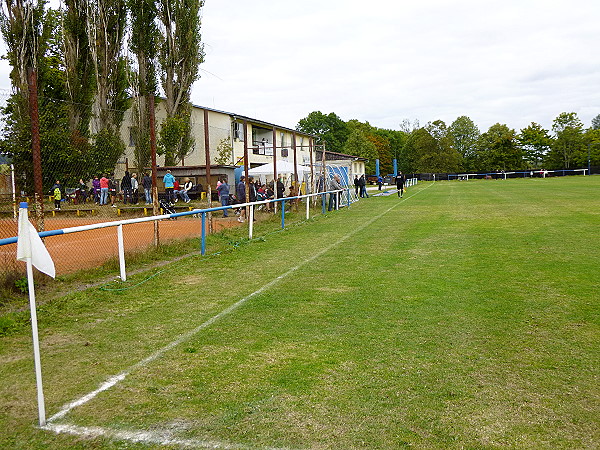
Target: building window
x=238 y=131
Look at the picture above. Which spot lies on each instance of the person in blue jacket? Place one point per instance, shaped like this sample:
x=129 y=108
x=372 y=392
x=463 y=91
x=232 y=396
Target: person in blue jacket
x=169 y=181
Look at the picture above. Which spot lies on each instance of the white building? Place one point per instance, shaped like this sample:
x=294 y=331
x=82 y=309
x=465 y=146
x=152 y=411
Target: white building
x=264 y=141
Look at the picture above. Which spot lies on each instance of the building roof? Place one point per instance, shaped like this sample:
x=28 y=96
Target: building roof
x=335 y=155
x=257 y=121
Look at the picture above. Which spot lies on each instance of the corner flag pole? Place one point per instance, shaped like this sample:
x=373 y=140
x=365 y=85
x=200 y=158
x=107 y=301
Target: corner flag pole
x=32 y=251
x=36 y=345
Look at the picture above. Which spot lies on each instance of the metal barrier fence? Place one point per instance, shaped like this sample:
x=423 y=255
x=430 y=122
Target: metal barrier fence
x=513 y=174
x=89 y=233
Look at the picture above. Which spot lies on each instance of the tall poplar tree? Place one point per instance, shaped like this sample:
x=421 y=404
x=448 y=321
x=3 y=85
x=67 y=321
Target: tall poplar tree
x=79 y=67
x=29 y=34
x=143 y=44
x=180 y=57
x=106 y=25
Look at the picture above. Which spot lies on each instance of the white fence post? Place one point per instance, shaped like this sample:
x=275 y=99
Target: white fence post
x=121 y=252
x=251 y=222
x=307 y=208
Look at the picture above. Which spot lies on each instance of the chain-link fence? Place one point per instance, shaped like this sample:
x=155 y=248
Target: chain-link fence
x=90 y=176
x=86 y=178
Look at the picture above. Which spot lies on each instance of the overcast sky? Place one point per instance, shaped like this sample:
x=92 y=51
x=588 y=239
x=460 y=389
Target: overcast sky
x=382 y=61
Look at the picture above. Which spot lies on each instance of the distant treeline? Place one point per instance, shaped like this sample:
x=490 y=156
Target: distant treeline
x=460 y=147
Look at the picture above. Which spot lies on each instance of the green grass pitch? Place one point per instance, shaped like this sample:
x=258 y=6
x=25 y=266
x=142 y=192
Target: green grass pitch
x=464 y=315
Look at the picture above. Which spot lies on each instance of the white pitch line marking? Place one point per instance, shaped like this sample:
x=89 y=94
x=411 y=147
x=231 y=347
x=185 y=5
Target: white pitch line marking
x=144 y=437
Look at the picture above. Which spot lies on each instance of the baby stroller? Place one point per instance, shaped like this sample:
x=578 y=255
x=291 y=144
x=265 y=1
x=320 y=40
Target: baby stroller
x=166 y=206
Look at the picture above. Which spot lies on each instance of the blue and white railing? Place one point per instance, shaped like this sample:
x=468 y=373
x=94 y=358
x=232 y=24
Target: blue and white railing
x=203 y=212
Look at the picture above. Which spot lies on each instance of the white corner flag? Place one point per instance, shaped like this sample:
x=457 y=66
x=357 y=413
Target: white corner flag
x=32 y=250
x=30 y=245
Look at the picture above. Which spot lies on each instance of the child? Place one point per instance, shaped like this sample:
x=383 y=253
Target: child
x=57 y=195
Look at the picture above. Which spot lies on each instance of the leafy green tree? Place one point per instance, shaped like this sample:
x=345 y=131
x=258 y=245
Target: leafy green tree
x=418 y=145
x=434 y=152
x=32 y=37
x=175 y=136
x=143 y=43
x=396 y=141
x=107 y=21
x=596 y=122
x=106 y=24
x=330 y=129
x=498 y=149
x=108 y=148
x=358 y=144
x=224 y=152
x=26 y=34
x=535 y=142
x=568 y=144
x=181 y=53
x=591 y=141
x=384 y=152
x=79 y=66
x=463 y=135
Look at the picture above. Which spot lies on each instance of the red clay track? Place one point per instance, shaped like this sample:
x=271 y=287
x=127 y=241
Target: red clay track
x=86 y=249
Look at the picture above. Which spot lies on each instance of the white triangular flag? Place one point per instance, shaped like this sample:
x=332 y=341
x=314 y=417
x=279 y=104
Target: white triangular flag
x=30 y=246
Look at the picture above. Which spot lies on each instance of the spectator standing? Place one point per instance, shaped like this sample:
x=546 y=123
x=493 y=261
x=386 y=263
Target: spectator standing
x=240 y=193
x=251 y=190
x=103 y=190
x=112 y=190
x=334 y=185
x=134 y=188
x=223 y=190
x=169 y=181
x=147 y=185
x=126 y=188
x=280 y=188
x=96 y=189
x=363 y=187
x=356 y=185
x=57 y=194
x=379 y=181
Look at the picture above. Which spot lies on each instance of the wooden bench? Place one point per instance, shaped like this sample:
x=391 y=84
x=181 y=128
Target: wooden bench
x=76 y=211
x=146 y=209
